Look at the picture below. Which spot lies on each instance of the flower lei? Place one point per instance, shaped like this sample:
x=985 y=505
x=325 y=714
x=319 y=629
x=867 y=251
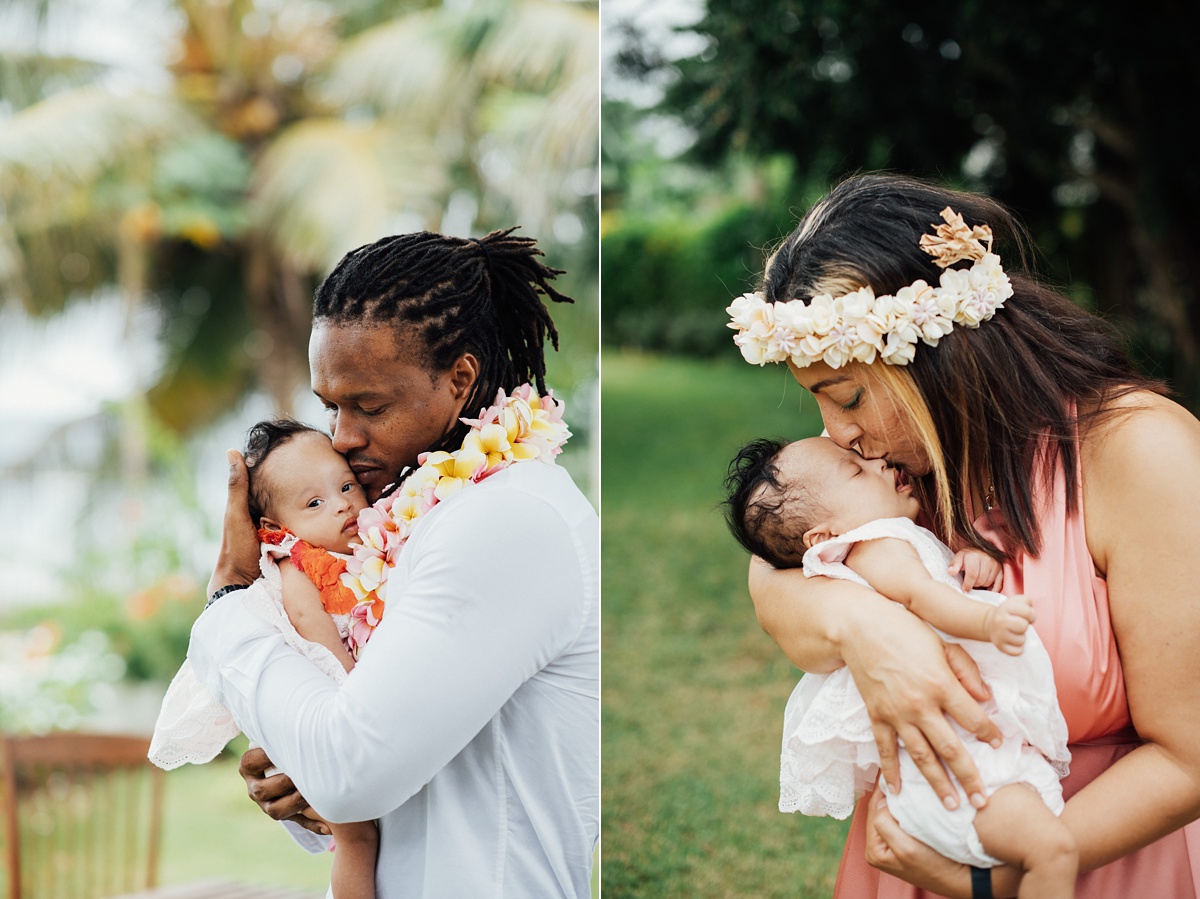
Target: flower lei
x=859 y=326
x=519 y=427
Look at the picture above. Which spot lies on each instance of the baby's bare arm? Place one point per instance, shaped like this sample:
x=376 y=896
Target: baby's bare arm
x=302 y=602
x=893 y=568
x=355 y=852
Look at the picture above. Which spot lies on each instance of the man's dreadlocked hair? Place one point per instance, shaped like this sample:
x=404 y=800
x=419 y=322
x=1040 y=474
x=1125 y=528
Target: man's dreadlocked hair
x=454 y=296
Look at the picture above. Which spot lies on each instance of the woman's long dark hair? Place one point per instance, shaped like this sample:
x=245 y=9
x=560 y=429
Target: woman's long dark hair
x=1040 y=367
x=449 y=296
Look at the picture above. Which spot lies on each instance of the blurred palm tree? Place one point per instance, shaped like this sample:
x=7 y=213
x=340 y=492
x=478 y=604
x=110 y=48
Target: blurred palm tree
x=285 y=135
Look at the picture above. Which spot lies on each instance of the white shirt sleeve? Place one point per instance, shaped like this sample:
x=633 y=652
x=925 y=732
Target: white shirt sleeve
x=312 y=843
x=487 y=592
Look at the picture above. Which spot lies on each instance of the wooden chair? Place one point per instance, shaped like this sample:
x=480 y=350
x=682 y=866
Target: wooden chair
x=82 y=815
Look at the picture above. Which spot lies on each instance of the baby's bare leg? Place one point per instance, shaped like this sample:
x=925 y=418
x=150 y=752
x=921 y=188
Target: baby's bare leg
x=355 y=847
x=1016 y=827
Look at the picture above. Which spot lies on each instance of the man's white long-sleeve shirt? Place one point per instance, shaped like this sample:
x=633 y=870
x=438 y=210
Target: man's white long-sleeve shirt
x=470 y=725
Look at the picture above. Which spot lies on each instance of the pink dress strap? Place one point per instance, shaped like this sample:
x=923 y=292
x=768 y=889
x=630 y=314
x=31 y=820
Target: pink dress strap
x=1073 y=622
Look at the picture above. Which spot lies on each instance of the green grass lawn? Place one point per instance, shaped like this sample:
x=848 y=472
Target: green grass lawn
x=693 y=690
x=212 y=831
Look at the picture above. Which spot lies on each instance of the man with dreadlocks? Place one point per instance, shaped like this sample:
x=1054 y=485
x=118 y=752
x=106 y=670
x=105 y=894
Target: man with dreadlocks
x=470 y=726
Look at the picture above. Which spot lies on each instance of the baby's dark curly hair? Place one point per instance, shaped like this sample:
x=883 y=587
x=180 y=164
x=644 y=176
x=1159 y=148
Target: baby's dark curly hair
x=768 y=515
x=261 y=440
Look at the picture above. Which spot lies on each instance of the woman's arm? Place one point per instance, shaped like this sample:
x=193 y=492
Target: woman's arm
x=1141 y=493
x=909 y=680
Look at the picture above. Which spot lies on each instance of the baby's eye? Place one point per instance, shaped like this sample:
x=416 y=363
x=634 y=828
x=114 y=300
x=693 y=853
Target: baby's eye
x=349 y=486
x=313 y=503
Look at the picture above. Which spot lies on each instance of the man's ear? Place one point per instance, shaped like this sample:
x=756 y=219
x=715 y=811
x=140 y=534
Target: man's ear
x=463 y=375
x=269 y=524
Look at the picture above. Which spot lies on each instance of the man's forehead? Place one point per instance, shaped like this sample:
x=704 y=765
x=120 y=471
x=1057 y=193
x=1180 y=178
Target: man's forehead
x=374 y=342
x=355 y=362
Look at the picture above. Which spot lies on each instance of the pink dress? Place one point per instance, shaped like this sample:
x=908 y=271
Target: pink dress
x=1073 y=621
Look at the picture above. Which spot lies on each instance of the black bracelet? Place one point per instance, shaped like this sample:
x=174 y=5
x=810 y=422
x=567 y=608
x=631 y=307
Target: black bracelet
x=219 y=593
x=981 y=883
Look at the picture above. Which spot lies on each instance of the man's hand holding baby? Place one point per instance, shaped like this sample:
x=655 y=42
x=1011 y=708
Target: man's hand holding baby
x=237 y=560
x=276 y=794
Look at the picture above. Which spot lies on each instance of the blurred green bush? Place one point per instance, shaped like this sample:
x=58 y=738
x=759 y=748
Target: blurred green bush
x=148 y=628
x=667 y=279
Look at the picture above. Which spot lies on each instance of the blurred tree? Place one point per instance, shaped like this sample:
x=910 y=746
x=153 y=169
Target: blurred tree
x=286 y=135
x=1067 y=112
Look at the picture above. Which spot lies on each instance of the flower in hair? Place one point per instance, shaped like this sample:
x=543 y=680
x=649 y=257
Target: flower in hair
x=954 y=241
x=860 y=327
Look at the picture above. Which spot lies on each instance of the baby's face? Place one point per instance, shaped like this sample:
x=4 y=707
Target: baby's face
x=854 y=490
x=314 y=493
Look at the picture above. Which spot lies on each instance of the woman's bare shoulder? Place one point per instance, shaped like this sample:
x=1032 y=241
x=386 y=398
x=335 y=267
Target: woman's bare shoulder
x=1140 y=427
x=1141 y=470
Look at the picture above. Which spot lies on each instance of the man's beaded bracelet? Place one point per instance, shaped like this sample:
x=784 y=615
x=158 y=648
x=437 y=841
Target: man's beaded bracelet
x=227 y=589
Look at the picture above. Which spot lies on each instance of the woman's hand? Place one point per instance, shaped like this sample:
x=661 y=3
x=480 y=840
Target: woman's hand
x=277 y=795
x=909 y=680
x=894 y=852
x=237 y=561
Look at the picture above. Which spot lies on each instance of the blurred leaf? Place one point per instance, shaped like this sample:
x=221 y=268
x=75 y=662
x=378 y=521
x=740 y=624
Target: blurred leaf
x=72 y=138
x=326 y=186
x=26 y=78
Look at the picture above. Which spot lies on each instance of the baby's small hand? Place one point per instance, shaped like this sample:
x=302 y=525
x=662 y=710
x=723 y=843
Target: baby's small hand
x=978 y=570
x=1007 y=624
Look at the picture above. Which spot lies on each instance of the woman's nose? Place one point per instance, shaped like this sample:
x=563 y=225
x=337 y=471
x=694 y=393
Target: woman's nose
x=844 y=433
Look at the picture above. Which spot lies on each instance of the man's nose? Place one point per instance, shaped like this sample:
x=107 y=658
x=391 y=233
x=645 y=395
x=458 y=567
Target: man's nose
x=346 y=435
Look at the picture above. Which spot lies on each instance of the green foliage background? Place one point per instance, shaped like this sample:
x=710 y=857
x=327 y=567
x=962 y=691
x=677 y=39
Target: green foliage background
x=1056 y=109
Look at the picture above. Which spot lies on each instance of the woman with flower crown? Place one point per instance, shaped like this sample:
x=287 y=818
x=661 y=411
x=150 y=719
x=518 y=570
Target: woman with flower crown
x=1025 y=432
x=469 y=725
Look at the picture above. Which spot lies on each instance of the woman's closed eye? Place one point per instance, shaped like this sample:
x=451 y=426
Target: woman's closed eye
x=854 y=401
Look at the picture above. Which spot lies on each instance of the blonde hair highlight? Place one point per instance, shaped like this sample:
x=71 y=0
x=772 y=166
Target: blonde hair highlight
x=902 y=391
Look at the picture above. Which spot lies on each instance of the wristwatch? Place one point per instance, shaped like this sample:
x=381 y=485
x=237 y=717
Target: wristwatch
x=226 y=589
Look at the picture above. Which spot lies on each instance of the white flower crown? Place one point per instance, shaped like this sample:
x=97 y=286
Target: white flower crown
x=859 y=326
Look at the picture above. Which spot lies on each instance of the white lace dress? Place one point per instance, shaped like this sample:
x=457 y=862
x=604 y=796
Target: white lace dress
x=829 y=757
x=192 y=726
